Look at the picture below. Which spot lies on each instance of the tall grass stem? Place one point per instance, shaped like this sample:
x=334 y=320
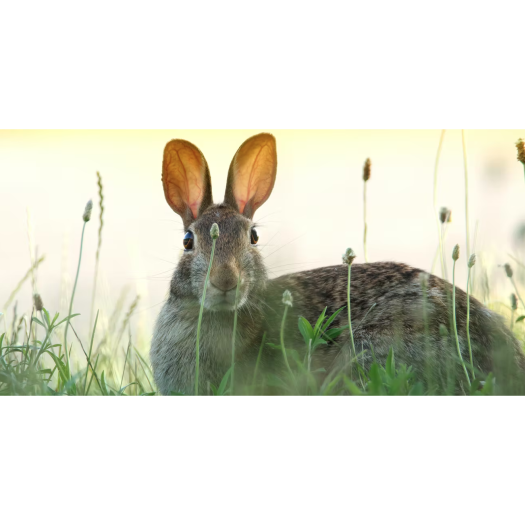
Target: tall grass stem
x=455 y=321
x=467 y=222
x=258 y=359
x=365 y=223
x=283 y=322
x=436 y=212
x=352 y=347
x=468 y=324
x=90 y=350
x=232 y=378
x=199 y=322
x=97 y=256
x=66 y=350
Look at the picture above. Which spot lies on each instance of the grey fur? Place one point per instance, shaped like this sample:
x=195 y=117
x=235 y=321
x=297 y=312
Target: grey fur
x=387 y=299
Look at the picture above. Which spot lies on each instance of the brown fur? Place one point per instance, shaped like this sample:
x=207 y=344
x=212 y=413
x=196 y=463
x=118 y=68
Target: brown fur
x=389 y=306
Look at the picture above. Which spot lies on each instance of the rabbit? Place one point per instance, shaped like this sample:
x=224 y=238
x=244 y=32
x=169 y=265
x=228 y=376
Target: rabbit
x=392 y=305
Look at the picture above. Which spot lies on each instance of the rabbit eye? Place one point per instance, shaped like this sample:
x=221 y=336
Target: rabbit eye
x=188 y=241
x=254 y=237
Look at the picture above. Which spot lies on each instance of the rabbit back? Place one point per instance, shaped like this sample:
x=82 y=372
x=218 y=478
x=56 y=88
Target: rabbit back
x=394 y=306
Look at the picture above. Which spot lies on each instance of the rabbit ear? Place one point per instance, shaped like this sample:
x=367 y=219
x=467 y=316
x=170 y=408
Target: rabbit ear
x=186 y=180
x=252 y=174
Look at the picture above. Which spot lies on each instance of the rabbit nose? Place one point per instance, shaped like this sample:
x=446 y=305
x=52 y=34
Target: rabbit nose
x=224 y=278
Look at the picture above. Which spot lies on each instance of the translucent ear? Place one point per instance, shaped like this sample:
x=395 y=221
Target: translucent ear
x=186 y=180
x=252 y=174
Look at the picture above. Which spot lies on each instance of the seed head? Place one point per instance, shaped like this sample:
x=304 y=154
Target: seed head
x=287 y=298
x=445 y=215
x=366 y=170
x=87 y=211
x=514 y=301
x=508 y=270
x=520 y=145
x=472 y=260
x=37 y=301
x=214 y=231
x=455 y=252
x=443 y=332
x=349 y=256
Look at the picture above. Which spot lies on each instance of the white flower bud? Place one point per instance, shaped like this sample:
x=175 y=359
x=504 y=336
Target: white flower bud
x=349 y=256
x=214 y=231
x=287 y=298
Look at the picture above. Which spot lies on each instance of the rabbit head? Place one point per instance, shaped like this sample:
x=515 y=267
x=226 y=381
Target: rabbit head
x=187 y=188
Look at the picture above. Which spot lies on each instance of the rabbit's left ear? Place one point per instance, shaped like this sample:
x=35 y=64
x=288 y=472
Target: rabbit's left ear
x=186 y=180
x=252 y=174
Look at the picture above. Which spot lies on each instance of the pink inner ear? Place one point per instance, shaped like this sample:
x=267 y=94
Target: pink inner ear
x=255 y=173
x=183 y=173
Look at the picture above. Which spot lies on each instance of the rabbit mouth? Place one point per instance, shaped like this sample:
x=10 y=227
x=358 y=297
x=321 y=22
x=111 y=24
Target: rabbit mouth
x=219 y=301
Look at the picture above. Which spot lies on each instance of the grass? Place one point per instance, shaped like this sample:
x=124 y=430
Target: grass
x=215 y=235
x=35 y=358
x=455 y=257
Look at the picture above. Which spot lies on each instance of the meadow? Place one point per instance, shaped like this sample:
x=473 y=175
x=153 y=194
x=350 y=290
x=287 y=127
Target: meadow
x=44 y=353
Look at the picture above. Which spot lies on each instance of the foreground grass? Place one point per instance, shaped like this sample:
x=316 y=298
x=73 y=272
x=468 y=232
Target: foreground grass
x=33 y=362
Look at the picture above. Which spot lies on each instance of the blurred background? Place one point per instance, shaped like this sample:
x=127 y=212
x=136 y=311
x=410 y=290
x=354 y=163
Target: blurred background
x=313 y=215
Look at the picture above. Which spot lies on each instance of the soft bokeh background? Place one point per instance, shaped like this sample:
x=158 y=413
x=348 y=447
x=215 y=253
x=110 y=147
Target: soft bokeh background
x=314 y=214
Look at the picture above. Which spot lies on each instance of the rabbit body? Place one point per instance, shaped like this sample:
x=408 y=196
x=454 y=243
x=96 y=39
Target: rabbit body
x=395 y=306
x=392 y=305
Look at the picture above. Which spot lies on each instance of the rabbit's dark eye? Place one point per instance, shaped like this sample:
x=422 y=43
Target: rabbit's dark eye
x=188 y=241
x=254 y=237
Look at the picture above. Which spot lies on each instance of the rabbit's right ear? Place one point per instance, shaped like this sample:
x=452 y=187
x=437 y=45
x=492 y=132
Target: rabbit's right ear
x=186 y=180
x=252 y=174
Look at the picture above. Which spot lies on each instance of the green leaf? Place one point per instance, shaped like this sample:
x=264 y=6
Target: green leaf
x=417 y=390
x=319 y=321
x=375 y=384
x=46 y=316
x=273 y=380
x=334 y=333
x=60 y=366
x=474 y=386
x=332 y=384
x=352 y=387
x=36 y=320
x=103 y=384
x=306 y=330
x=520 y=318
x=488 y=387
x=318 y=342
x=331 y=318
x=221 y=391
x=390 y=364
x=121 y=391
x=213 y=389
x=66 y=318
